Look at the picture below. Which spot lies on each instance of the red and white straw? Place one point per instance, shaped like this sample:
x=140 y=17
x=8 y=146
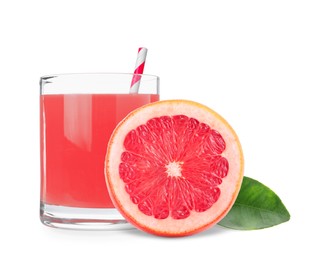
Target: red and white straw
x=139 y=68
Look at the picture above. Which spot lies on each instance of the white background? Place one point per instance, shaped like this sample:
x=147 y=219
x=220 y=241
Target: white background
x=251 y=61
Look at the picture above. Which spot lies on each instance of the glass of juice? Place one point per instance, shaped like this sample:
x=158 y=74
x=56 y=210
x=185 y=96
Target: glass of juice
x=78 y=113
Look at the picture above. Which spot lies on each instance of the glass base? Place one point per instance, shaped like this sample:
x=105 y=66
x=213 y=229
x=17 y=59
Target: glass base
x=82 y=218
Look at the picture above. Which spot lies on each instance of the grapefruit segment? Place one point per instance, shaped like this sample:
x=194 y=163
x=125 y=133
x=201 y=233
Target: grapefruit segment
x=174 y=167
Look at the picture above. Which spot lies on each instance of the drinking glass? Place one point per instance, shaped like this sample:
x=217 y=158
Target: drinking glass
x=78 y=113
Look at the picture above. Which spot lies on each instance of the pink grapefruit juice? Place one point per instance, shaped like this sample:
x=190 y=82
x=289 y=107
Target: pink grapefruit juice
x=75 y=129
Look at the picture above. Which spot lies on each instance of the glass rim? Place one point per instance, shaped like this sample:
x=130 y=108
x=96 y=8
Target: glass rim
x=97 y=82
x=49 y=76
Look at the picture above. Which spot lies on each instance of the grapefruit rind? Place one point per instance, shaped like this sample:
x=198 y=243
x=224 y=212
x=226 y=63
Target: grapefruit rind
x=197 y=221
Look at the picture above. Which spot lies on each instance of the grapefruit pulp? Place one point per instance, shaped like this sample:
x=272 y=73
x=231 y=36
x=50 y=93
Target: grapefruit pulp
x=173 y=167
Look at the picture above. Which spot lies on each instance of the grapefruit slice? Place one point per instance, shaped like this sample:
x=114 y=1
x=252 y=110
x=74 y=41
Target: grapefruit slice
x=174 y=167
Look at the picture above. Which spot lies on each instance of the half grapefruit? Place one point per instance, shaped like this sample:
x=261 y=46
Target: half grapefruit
x=174 y=167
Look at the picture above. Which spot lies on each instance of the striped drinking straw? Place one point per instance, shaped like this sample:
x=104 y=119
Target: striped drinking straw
x=139 y=68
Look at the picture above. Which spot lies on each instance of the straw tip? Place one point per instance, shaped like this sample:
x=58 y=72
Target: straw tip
x=142 y=48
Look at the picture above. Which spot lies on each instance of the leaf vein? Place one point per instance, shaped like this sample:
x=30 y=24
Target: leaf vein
x=237 y=204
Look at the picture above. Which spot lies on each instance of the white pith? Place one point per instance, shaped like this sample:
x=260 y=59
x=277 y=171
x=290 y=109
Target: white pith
x=173 y=169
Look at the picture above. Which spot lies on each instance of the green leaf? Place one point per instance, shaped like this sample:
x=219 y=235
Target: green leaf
x=256 y=207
